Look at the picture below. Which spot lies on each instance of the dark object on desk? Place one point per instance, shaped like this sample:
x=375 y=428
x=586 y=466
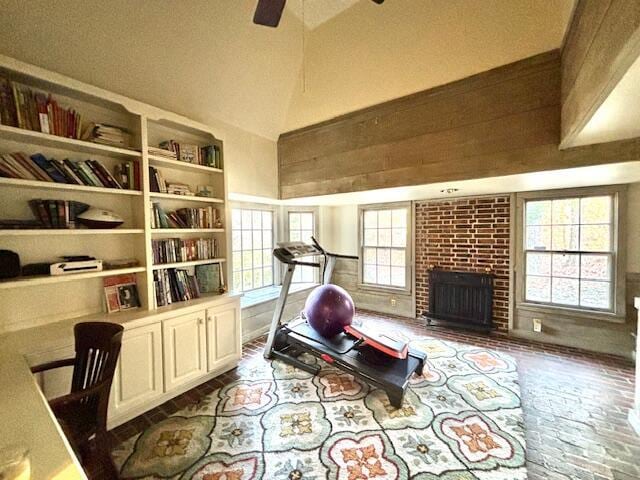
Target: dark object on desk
x=83 y=412
x=9 y=264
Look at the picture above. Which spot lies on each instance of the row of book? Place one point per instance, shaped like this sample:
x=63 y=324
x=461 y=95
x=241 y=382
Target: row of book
x=57 y=213
x=209 y=155
x=37 y=167
x=206 y=217
x=24 y=108
x=128 y=175
x=174 y=285
x=171 y=250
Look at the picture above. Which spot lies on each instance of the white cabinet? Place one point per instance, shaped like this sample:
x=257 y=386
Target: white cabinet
x=184 y=349
x=138 y=377
x=224 y=342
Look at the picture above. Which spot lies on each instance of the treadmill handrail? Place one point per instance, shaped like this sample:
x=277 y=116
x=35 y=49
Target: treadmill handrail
x=329 y=254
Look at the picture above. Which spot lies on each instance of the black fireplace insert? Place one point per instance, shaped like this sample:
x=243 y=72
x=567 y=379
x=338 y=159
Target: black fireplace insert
x=463 y=299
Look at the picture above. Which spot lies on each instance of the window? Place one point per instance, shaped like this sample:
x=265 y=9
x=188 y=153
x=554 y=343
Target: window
x=301 y=227
x=569 y=252
x=384 y=245
x=252 y=245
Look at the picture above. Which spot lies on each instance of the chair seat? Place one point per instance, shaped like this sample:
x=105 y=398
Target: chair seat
x=78 y=420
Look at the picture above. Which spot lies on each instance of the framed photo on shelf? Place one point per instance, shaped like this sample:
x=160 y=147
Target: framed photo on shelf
x=121 y=293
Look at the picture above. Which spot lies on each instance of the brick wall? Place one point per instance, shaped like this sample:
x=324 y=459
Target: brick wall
x=468 y=235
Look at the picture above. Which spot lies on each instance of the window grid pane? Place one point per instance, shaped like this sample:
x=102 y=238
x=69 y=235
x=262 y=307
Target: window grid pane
x=383 y=249
x=576 y=236
x=301 y=228
x=252 y=235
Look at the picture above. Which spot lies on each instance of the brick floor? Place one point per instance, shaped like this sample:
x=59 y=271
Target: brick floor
x=575 y=403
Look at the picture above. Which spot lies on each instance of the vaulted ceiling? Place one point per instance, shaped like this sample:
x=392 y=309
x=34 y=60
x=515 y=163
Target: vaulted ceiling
x=206 y=59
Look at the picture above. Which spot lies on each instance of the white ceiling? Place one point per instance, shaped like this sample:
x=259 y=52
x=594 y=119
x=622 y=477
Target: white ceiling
x=207 y=60
x=612 y=174
x=619 y=115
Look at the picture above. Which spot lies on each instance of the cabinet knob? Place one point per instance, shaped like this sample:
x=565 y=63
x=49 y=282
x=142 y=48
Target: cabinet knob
x=200 y=321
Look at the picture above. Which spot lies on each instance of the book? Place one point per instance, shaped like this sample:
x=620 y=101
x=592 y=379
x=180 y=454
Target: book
x=47 y=167
x=121 y=292
x=8 y=114
x=208 y=278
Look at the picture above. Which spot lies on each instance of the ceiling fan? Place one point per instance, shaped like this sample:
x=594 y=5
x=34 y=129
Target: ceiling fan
x=268 y=12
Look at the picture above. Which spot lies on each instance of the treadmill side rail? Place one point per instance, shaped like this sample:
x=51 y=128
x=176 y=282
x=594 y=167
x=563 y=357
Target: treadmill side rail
x=279 y=310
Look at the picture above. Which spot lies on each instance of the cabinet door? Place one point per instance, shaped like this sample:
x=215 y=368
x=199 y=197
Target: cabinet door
x=184 y=349
x=138 y=377
x=224 y=341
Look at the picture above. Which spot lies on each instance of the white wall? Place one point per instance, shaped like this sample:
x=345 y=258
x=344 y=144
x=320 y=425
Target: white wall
x=373 y=53
x=633 y=228
x=204 y=60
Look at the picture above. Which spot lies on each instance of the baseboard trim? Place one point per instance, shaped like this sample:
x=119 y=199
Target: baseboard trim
x=634 y=419
x=249 y=336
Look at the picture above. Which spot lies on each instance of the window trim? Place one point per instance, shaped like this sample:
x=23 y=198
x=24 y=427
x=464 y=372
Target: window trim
x=275 y=235
x=408 y=288
x=315 y=211
x=618 y=252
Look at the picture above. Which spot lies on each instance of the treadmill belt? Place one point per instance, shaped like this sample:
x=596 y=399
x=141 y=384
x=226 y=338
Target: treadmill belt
x=392 y=370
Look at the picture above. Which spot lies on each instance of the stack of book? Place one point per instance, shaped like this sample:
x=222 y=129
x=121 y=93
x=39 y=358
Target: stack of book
x=209 y=155
x=161 y=152
x=25 y=108
x=57 y=213
x=37 y=167
x=128 y=175
x=171 y=250
x=173 y=285
x=179 y=189
x=207 y=217
x=107 y=135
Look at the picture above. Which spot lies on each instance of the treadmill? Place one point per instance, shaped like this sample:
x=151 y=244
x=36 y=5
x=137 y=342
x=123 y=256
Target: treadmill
x=286 y=342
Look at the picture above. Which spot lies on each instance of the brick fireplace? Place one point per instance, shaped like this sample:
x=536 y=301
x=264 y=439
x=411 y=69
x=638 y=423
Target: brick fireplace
x=467 y=235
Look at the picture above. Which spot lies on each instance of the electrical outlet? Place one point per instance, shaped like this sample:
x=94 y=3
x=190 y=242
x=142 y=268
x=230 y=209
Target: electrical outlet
x=537 y=325
x=394 y=302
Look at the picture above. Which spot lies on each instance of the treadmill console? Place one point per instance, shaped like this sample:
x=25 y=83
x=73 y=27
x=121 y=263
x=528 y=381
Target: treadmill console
x=289 y=252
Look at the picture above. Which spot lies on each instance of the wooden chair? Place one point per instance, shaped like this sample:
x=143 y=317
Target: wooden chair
x=83 y=412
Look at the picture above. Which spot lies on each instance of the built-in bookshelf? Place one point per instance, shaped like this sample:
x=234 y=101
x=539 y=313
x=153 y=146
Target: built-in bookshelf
x=31 y=300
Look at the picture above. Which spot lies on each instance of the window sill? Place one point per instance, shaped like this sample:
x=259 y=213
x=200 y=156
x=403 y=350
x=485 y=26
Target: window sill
x=572 y=313
x=365 y=287
x=267 y=294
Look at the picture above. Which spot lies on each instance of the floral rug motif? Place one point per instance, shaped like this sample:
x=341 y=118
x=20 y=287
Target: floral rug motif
x=460 y=420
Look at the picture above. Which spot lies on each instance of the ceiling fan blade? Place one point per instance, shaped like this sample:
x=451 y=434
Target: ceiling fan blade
x=379 y=2
x=269 y=12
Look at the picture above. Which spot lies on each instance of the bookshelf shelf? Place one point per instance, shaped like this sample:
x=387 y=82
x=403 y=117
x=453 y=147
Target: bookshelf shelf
x=188 y=198
x=172 y=231
x=167 y=162
x=52 y=279
x=71 y=231
x=47 y=140
x=188 y=264
x=20 y=183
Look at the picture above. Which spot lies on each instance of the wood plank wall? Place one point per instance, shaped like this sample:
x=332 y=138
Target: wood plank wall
x=500 y=122
x=602 y=42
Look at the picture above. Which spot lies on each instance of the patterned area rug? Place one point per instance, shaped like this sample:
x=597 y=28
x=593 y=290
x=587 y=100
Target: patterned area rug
x=461 y=420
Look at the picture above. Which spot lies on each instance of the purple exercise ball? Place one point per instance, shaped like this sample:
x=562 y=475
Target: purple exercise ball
x=328 y=309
